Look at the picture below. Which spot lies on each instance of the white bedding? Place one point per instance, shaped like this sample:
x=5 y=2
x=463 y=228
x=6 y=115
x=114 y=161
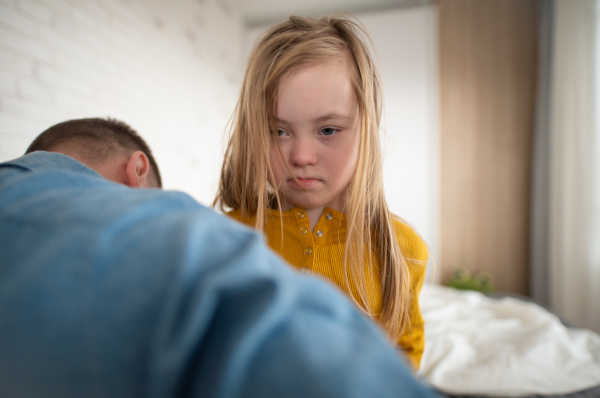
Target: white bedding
x=502 y=347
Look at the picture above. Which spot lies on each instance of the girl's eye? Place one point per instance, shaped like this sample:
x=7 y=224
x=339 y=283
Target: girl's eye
x=278 y=133
x=328 y=131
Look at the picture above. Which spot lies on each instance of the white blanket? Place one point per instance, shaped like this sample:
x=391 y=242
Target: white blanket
x=502 y=347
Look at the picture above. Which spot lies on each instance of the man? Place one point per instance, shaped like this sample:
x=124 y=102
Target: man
x=115 y=292
x=108 y=146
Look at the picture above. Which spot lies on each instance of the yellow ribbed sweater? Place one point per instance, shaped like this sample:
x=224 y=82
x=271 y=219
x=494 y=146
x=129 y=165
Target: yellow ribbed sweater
x=321 y=253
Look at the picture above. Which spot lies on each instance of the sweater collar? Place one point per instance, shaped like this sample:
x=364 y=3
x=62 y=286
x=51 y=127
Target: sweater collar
x=294 y=211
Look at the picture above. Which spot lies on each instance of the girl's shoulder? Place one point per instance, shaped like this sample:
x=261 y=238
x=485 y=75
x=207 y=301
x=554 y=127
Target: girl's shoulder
x=412 y=245
x=238 y=215
x=272 y=216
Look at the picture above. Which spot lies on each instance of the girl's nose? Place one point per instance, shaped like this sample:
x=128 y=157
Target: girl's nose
x=303 y=152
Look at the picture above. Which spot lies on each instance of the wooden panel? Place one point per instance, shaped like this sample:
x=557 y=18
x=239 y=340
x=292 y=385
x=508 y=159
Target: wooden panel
x=488 y=55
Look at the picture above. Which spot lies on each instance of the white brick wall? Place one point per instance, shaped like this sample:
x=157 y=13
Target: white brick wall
x=169 y=68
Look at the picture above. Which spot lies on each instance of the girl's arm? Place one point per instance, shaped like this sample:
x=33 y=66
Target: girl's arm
x=412 y=340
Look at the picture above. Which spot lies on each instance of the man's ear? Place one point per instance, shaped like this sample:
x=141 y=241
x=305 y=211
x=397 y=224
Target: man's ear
x=137 y=170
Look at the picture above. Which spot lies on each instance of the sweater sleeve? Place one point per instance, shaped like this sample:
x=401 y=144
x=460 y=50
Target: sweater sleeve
x=412 y=340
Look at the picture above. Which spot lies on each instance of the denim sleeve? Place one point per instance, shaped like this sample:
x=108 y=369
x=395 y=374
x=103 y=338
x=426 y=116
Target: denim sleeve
x=255 y=328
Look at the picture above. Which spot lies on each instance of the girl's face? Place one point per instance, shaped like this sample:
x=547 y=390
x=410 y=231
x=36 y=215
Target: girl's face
x=318 y=128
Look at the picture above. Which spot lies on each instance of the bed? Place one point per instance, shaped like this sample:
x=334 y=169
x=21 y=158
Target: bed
x=482 y=346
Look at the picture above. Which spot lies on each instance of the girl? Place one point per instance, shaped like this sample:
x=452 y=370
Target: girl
x=303 y=165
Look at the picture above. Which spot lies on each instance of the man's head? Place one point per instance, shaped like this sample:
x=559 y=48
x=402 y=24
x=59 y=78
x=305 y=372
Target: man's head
x=108 y=146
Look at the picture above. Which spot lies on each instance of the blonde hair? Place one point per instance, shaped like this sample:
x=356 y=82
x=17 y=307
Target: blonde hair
x=246 y=171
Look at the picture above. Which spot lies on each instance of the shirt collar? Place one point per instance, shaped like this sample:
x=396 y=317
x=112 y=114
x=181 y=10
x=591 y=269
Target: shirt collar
x=41 y=160
x=292 y=213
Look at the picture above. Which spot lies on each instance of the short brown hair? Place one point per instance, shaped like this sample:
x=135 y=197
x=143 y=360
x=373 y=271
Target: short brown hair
x=97 y=137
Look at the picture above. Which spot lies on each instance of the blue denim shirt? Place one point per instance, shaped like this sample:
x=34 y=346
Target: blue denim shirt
x=107 y=291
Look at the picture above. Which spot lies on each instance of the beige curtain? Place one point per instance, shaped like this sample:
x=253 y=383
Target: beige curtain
x=566 y=206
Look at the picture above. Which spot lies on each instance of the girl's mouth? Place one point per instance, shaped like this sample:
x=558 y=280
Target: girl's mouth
x=303 y=183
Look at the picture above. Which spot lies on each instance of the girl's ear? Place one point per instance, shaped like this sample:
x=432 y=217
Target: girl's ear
x=137 y=170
